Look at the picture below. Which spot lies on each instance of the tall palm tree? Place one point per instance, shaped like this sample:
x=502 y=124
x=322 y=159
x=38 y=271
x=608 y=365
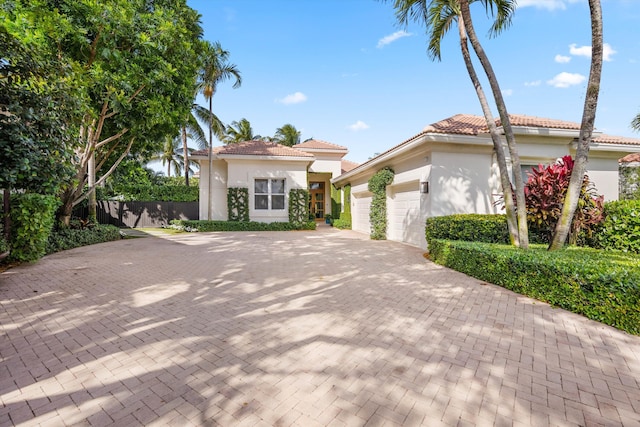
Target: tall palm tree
x=287 y=135
x=586 y=130
x=216 y=69
x=194 y=131
x=505 y=10
x=239 y=131
x=438 y=16
x=171 y=155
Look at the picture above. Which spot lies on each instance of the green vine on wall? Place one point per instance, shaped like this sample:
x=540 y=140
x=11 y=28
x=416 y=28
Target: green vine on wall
x=344 y=220
x=238 y=204
x=298 y=206
x=378 y=213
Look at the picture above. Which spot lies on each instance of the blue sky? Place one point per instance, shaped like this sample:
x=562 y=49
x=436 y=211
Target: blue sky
x=345 y=72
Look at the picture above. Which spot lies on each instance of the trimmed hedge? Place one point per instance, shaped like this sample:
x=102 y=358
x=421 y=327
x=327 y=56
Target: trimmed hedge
x=32 y=218
x=620 y=229
x=68 y=238
x=202 y=225
x=469 y=227
x=601 y=286
x=151 y=193
x=378 y=212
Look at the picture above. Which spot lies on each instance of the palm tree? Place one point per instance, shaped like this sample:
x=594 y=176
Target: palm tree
x=171 y=155
x=216 y=68
x=193 y=129
x=438 y=16
x=239 y=131
x=505 y=10
x=287 y=135
x=635 y=124
x=586 y=130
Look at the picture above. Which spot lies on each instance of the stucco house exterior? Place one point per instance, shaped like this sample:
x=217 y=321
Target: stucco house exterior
x=450 y=167
x=269 y=171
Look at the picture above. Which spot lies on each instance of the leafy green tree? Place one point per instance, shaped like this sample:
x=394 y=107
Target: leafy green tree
x=287 y=135
x=438 y=17
x=239 y=131
x=573 y=195
x=36 y=139
x=132 y=65
x=216 y=68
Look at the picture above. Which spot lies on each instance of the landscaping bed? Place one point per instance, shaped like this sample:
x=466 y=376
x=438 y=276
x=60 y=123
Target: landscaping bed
x=601 y=285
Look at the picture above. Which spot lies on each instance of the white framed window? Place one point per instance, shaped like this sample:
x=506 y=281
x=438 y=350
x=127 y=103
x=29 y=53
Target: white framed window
x=269 y=194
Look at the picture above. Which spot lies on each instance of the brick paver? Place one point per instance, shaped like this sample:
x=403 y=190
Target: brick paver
x=320 y=328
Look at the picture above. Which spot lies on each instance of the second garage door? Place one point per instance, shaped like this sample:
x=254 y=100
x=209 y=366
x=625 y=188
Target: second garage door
x=405 y=221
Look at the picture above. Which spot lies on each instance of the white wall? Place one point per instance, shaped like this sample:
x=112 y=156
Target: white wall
x=461 y=183
x=219 y=190
x=327 y=163
x=603 y=173
x=242 y=173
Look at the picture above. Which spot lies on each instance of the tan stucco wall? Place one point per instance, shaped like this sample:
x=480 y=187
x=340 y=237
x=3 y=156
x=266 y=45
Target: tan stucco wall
x=218 y=195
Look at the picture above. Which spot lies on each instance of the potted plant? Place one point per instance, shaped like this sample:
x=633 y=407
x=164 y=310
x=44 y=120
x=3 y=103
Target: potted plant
x=327 y=219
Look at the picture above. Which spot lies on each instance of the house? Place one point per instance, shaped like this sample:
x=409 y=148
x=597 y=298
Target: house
x=629 y=175
x=450 y=168
x=269 y=171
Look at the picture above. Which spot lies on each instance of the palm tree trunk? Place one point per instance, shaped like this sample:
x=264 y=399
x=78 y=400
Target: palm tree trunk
x=209 y=160
x=185 y=155
x=523 y=232
x=586 y=130
x=512 y=221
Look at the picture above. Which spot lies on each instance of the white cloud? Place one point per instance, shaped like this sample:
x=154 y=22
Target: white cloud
x=564 y=80
x=294 y=98
x=359 y=125
x=607 y=51
x=580 y=51
x=391 y=38
x=533 y=83
x=561 y=59
x=507 y=92
x=547 y=4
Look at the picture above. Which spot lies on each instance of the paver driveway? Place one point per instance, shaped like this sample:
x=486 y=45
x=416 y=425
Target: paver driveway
x=295 y=328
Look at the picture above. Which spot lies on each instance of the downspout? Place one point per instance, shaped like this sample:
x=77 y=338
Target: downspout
x=210 y=159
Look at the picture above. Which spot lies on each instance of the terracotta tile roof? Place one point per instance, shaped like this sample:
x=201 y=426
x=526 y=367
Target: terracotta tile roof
x=462 y=124
x=539 y=122
x=609 y=139
x=630 y=158
x=256 y=148
x=316 y=144
x=347 y=165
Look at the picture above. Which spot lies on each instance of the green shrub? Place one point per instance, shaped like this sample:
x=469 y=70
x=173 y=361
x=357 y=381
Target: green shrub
x=469 y=227
x=203 y=225
x=32 y=217
x=378 y=212
x=69 y=238
x=341 y=223
x=620 y=229
x=4 y=245
x=601 y=286
x=150 y=193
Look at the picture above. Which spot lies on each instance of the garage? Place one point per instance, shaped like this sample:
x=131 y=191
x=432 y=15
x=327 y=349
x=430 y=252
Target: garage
x=405 y=221
x=360 y=208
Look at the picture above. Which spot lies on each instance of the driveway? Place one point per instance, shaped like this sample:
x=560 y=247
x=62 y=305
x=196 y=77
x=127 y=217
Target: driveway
x=295 y=328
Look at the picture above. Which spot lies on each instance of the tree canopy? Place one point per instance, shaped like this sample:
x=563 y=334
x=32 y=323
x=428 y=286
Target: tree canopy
x=132 y=65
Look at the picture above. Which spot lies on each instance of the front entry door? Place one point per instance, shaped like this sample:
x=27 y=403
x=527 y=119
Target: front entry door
x=317 y=200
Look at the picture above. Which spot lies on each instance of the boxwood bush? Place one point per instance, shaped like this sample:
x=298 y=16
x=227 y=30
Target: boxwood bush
x=203 y=225
x=69 y=238
x=603 y=286
x=621 y=227
x=470 y=227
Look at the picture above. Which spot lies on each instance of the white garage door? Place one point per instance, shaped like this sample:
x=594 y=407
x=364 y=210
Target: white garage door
x=360 y=207
x=405 y=222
